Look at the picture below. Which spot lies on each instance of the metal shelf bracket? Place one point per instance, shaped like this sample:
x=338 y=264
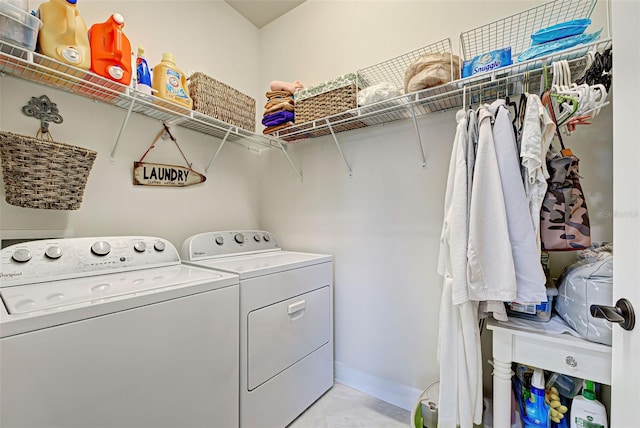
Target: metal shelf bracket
x=415 y=126
x=344 y=158
x=284 y=150
x=112 y=157
x=215 y=155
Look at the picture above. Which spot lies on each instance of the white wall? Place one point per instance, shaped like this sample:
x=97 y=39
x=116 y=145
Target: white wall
x=383 y=225
x=204 y=36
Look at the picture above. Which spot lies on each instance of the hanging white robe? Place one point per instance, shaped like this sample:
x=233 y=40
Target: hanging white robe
x=459 y=352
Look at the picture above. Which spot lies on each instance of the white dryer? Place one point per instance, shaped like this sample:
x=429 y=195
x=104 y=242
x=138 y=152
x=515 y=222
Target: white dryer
x=115 y=332
x=286 y=321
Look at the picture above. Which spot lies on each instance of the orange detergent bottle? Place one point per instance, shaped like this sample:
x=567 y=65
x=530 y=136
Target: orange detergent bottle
x=63 y=35
x=170 y=83
x=111 y=50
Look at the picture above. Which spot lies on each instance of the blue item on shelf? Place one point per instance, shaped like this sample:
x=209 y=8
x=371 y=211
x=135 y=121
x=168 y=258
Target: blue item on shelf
x=557 y=45
x=560 y=31
x=487 y=62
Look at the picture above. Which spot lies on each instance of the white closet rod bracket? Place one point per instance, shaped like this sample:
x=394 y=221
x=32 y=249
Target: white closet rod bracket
x=215 y=155
x=415 y=125
x=112 y=158
x=335 y=140
x=284 y=150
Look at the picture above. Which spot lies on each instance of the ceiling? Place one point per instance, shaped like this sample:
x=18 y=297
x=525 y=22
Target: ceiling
x=262 y=12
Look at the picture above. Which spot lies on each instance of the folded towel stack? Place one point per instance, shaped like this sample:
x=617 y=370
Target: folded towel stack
x=279 y=109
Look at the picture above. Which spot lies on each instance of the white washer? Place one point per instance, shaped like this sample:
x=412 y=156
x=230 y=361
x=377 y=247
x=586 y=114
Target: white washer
x=286 y=321
x=115 y=332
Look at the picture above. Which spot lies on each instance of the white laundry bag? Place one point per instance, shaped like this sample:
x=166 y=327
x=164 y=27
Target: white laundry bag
x=587 y=282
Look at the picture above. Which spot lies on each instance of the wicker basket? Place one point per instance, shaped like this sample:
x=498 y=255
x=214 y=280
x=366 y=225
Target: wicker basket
x=326 y=104
x=222 y=102
x=44 y=174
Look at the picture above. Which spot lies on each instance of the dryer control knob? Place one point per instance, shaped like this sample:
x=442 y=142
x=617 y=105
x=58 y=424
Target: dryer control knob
x=100 y=248
x=159 y=246
x=21 y=255
x=239 y=238
x=266 y=237
x=140 y=247
x=53 y=252
x=219 y=240
x=256 y=237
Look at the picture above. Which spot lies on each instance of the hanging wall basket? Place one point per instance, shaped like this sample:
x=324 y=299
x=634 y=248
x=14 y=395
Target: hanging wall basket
x=44 y=174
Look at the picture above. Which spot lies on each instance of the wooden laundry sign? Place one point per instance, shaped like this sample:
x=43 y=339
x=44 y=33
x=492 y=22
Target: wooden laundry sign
x=157 y=174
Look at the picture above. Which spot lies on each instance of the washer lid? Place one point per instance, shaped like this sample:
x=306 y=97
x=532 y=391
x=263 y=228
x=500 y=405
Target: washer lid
x=90 y=291
x=250 y=266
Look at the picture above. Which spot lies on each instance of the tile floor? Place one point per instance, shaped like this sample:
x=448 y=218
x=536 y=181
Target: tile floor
x=343 y=407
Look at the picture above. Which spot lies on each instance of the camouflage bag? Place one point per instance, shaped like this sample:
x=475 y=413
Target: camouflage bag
x=564 y=220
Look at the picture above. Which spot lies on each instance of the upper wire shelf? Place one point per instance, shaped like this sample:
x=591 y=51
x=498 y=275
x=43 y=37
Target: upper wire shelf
x=511 y=80
x=515 y=30
x=21 y=63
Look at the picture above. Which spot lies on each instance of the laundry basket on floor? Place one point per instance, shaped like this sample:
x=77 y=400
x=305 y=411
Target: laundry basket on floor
x=425 y=412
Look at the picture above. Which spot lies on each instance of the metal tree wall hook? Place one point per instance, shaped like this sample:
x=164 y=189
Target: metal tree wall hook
x=44 y=109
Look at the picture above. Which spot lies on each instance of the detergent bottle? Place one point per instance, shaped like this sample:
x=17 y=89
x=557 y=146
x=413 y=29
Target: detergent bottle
x=111 y=50
x=64 y=35
x=536 y=410
x=143 y=73
x=170 y=82
x=586 y=410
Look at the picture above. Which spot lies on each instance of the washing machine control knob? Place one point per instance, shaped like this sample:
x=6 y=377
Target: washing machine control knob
x=219 y=240
x=239 y=238
x=53 y=252
x=256 y=237
x=100 y=248
x=140 y=247
x=266 y=237
x=159 y=246
x=21 y=255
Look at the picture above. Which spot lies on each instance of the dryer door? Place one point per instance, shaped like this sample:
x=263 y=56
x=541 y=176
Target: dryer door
x=283 y=333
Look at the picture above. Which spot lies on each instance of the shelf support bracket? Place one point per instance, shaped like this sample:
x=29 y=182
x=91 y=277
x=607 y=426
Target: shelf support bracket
x=415 y=126
x=112 y=158
x=284 y=150
x=215 y=155
x=335 y=140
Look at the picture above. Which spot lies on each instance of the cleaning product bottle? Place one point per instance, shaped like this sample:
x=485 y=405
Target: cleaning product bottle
x=536 y=410
x=111 y=50
x=170 y=82
x=63 y=35
x=143 y=73
x=586 y=410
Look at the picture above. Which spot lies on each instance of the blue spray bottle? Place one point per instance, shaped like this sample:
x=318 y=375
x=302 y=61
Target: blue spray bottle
x=143 y=73
x=536 y=410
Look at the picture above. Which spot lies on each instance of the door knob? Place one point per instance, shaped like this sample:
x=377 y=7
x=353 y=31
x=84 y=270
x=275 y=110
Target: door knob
x=621 y=313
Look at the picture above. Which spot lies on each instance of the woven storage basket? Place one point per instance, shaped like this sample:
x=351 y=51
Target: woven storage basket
x=43 y=174
x=222 y=102
x=326 y=104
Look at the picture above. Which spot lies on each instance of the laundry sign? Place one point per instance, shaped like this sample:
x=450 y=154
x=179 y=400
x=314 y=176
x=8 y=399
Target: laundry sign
x=157 y=174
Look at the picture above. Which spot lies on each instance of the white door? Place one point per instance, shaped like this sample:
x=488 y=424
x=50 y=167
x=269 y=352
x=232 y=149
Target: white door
x=626 y=205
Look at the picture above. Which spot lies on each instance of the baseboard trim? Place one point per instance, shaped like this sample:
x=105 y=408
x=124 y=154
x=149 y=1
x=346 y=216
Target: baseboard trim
x=394 y=393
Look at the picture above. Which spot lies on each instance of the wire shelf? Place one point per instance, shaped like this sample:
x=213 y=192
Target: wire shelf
x=515 y=30
x=507 y=81
x=393 y=70
x=23 y=64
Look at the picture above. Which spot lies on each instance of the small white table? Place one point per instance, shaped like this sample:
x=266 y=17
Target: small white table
x=561 y=353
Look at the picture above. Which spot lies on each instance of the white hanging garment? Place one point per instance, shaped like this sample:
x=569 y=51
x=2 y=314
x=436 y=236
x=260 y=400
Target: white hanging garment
x=459 y=350
x=537 y=132
x=490 y=270
x=530 y=278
